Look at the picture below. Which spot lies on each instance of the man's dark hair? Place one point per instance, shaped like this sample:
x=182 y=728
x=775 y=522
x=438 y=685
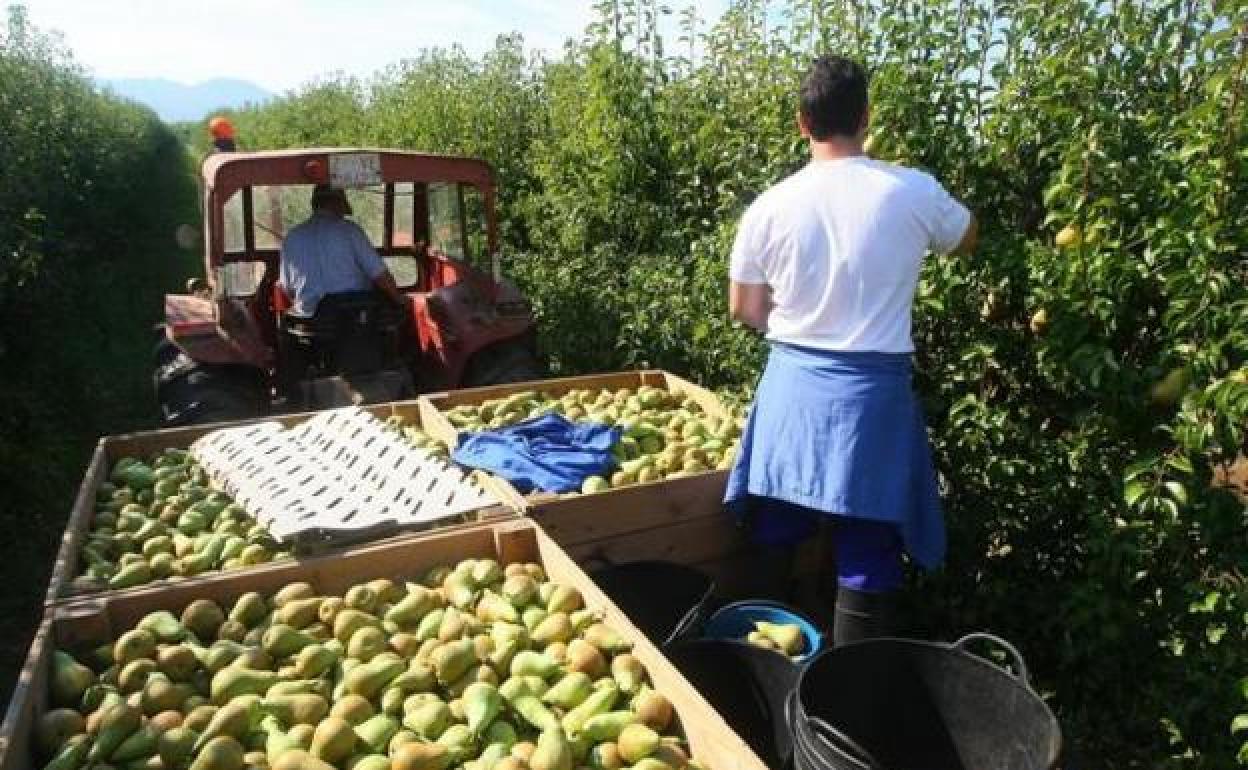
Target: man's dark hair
x=833 y=97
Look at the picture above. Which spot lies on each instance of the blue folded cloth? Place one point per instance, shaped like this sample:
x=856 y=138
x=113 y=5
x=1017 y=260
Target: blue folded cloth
x=548 y=453
x=841 y=433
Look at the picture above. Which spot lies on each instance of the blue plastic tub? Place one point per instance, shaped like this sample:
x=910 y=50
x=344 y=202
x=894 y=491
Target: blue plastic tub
x=736 y=621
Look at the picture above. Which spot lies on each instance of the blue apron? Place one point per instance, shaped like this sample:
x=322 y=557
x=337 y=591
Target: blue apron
x=840 y=434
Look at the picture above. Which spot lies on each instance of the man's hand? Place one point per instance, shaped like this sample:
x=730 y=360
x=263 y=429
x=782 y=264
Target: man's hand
x=385 y=281
x=750 y=303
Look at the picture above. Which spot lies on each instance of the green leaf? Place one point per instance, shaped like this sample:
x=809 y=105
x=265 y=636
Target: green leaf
x=1177 y=491
x=1134 y=491
x=1206 y=605
x=1181 y=463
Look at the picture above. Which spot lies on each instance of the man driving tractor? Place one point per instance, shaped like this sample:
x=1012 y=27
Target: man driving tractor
x=328 y=254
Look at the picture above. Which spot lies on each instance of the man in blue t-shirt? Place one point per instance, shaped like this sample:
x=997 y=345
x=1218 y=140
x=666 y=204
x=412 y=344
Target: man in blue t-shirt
x=330 y=254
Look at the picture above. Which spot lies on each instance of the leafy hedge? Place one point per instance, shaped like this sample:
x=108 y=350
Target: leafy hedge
x=91 y=189
x=1080 y=398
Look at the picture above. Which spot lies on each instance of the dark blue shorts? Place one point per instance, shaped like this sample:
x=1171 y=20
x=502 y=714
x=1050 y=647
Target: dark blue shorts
x=868 y=553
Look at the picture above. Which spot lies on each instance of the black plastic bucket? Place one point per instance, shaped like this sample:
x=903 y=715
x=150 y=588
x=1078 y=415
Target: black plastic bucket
x=903 y=704
x=749 y=687
x=665 y=600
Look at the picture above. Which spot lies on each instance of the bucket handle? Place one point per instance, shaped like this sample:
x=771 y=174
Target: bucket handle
x=1020 y=666
x=842 y=744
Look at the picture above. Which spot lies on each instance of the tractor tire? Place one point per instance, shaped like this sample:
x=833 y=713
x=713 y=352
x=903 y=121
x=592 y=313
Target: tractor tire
x=191 y=393
x=505 y=362
x=165 y=351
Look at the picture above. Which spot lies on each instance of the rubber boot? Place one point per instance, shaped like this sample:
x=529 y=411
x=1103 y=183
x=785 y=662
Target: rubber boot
x=862 y=615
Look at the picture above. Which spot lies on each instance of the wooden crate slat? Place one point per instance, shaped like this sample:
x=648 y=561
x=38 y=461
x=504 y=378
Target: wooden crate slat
x=584 y=518
x=686 y=542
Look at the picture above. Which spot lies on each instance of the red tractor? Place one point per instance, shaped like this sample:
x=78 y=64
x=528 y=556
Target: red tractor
x=230 y=349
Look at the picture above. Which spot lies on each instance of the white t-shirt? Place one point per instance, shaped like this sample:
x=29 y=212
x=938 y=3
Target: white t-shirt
x=326 y=255
x=840 y=244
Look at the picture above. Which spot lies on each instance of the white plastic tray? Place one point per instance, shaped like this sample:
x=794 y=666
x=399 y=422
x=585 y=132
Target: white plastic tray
x=338 y=474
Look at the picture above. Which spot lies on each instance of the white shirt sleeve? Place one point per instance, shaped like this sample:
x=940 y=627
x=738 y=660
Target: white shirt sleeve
x=744 y=266
x=945 y=218
x=365 y=255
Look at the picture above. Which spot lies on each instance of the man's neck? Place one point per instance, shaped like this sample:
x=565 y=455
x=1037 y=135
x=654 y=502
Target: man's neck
x=836 y=148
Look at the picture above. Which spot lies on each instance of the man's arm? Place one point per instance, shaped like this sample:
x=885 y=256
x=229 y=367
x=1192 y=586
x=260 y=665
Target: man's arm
x=750 y=303
x=385 y=281
x=951 y=226
x=970 y=239
x=375 y=267
x=749 y=295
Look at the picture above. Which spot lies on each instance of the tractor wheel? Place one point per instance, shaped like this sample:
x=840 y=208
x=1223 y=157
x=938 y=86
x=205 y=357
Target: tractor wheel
x=191 y=393
x=504 y=362
x=165 y=351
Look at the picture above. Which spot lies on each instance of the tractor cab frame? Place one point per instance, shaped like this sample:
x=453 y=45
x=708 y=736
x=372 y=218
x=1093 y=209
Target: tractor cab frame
x=432 y=218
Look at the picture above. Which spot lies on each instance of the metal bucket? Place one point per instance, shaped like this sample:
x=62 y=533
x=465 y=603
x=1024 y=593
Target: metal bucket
x=904 y=704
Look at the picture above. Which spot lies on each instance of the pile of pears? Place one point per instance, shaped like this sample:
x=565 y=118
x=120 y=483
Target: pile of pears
x=159 y=518
x=663 y=435
x=475 y=666
x=784 y=638
x=418 y=438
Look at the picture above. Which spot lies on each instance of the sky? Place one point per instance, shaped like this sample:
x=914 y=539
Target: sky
x=279 y=44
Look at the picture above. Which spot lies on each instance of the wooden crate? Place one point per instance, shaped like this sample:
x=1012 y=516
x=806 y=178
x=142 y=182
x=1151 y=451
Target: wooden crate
x=94 y=622
x=680 y=520
x=110 y=448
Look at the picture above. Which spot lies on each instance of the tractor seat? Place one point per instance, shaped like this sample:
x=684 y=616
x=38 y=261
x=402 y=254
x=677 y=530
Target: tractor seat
x=350 y=333
x=350 y=314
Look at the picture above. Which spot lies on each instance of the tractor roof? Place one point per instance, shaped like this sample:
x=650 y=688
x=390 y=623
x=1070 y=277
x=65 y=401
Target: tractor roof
x=226 y=172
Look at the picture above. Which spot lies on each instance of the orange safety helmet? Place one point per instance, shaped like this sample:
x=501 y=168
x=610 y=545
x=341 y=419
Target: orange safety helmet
x=221 y=128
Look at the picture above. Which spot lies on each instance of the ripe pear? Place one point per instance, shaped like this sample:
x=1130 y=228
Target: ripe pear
x=334 y=740
x=202 y=618
x=56 y=727
x=291 y=592
x=1169 y=389
x=594 y=484
x=1040 y=321
x=69 y=679
x=420 y=756
x=1069 y=237
x=636 y=742
x=653 y=710
x=221 y=753
x=298 y=759
x=553 y=751
x=788 y=637
x=628 y=673
x=353 y=708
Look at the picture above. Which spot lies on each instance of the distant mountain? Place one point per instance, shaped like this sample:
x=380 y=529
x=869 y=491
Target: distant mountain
x=178 y=101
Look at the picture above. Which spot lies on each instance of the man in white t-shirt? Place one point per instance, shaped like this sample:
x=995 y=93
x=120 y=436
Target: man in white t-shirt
x=830 y=256
x=329 y=254
x=825 y=264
